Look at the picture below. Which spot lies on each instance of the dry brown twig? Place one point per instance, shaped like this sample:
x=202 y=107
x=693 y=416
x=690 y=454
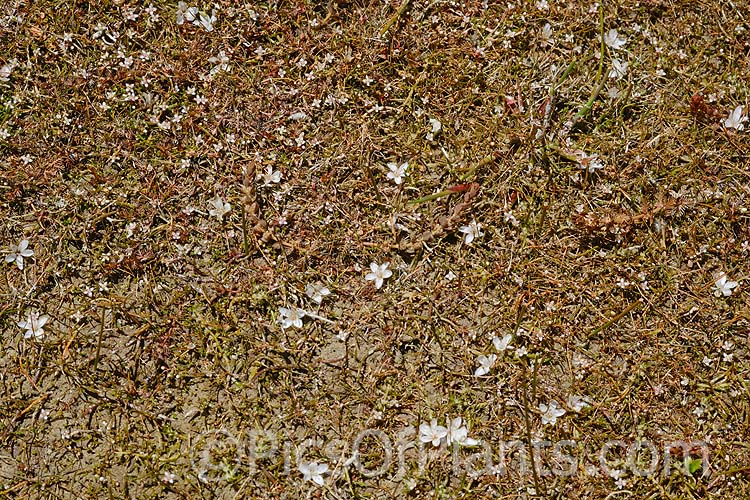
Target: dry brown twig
x=251 y=213
x=444 y=224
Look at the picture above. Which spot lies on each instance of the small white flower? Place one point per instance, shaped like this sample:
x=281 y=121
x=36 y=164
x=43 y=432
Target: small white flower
x=313 y=471
x=397 y=172
x=458 y=433
x=547 y=33
x=724 y=287
x=432 y=433
x=17 y=253
x=185 y=13
x=378 y=273
x=436 y=126
x=206 y=21
x=34 y=325
x=577 y=403
x=503 y=344
x=168 y=477
x=316 y=292
x=619 y=69
x=5 y=72
x=592 y=163
x=291 y=317
x=270 y=177
x=485 y=364
x=220 y=208
x=521 y=352
x=7 y=69
x=550 y=413
x=471 y=232
x=614 y=41
x=735 y=119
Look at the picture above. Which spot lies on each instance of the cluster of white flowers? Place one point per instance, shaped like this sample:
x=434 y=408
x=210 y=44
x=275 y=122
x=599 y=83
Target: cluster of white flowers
x=552 y=411
x=34 y=323
x=456 y=432
x=614 y=41
x=292 y=316
x=192 y=15
x=486 y=362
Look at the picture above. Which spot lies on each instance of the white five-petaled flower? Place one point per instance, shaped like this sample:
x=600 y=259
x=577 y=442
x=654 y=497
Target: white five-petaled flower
x=207 y=21
x=220 y=208
x=432 y=433
x=378 y=273
x=550 y=413
x=220 y=62
x=503 y=344
x=291 y=317
x=724 y=287
x=168 y=477
x=485 y=364
x=270 y=177
x=17 y=253
x=591 y=163
x=313 y=471
x=397 y=173
x=472 y=231
x=458 y=433
x=316 y=292
x=185 y=13
x=614 y=41
x=735 y=119
x=34 y=325
x=619 y=69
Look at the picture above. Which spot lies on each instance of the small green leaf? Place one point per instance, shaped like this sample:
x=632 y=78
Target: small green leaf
x=694 y=464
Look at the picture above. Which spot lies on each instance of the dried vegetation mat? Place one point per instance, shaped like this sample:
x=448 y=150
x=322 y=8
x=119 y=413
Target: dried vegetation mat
x=428 y=249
